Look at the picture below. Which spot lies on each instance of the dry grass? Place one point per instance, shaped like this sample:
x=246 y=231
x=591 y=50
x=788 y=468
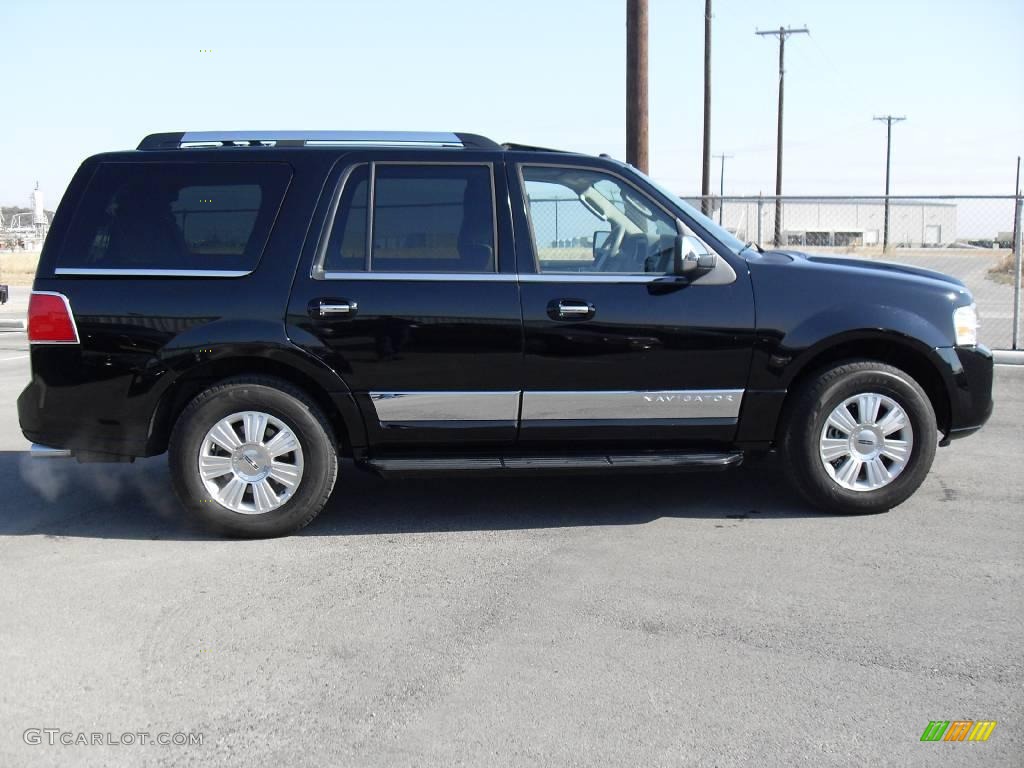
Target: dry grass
x=18 y=268
x=1003 y=270
x=566 y=254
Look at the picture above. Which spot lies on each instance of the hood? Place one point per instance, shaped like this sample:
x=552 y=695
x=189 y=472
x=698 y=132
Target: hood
x=869 y=266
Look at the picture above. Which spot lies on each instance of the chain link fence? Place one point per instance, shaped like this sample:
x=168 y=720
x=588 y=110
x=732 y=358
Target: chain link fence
x=565 y=228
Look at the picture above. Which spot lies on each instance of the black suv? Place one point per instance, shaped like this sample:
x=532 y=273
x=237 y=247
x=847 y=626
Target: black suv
x=259 y=303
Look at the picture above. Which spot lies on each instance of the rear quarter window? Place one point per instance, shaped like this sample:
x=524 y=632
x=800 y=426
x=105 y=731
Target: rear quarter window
x=191 y=216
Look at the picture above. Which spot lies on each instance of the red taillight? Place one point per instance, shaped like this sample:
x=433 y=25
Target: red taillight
x=50 y=320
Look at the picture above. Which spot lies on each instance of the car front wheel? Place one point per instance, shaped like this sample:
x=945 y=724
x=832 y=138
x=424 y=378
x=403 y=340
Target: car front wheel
x=859 y=438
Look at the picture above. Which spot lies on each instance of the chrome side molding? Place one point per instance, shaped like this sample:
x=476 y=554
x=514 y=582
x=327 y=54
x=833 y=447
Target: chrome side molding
x=638 y=405
x=103 y=272
x=611 y=278
x=594 y=405
x=411 y=407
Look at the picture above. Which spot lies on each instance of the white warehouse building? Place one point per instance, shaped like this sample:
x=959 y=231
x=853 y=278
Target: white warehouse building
x=846 y=222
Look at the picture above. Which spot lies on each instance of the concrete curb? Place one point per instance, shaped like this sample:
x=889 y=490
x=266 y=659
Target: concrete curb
x=1008 y=356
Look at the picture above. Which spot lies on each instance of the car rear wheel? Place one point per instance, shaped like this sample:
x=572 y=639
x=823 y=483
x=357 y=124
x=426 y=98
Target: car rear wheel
x=253 y=457
x=859 y=438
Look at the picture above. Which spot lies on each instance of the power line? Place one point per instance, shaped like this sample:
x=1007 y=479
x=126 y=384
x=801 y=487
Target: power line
x=888 y=120
x=782 y=33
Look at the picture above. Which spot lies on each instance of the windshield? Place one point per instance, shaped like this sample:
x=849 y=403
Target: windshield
x=723 y=235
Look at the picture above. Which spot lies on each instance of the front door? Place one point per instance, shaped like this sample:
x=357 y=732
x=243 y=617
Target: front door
x=617 y=349
x=413 y=301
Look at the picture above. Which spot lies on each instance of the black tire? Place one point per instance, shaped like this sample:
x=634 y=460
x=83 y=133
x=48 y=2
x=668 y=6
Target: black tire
x=282 y=401
x=805 y=416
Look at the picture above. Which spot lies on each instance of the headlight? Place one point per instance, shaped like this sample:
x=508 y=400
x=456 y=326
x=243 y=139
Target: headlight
x=965 y=323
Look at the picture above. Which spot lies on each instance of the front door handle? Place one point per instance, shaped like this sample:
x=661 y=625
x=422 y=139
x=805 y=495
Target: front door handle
x=335 y=307
x=571 y=309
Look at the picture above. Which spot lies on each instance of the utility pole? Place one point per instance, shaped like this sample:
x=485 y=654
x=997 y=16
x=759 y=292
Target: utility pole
x=705 y=184
x=636 y=83
x=721 y=186
x=888 y=120
x=782 y=33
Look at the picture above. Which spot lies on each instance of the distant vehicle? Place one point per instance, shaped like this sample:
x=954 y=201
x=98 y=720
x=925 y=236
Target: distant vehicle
x=259 y=304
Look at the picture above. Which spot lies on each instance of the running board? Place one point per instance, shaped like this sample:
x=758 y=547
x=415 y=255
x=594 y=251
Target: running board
x=554 y=464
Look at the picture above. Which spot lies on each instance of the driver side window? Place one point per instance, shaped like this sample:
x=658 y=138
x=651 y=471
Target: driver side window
x=585 y=221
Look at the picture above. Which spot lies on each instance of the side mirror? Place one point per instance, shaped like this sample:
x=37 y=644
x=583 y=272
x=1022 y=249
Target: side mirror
x=600 y=241
x=691 y=258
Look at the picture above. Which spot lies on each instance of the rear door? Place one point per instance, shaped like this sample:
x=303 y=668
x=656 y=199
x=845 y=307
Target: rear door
x=617 y=349
x=412 y=298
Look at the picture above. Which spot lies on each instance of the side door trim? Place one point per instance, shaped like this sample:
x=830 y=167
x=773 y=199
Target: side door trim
x=417 y=408
x=683 y=405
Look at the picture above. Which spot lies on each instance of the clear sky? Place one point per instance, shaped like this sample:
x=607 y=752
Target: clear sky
x=88 y=76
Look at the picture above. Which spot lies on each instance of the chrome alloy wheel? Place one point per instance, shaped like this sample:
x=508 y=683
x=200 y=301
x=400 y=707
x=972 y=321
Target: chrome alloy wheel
x=250 y=462
x=866 y=442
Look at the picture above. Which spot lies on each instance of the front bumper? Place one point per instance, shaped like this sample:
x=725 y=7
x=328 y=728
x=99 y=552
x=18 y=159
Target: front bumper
x=968 y=373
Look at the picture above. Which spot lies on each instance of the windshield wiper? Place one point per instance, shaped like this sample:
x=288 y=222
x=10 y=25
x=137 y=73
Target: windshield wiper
x=748 y=244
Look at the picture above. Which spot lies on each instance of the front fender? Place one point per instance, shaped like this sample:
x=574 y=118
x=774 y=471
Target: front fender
x=872 y=320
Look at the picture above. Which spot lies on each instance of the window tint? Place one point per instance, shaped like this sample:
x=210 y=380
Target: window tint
x=217 y=220
x=588 y=221
x=214 y=216
x=346 y=248
x=431 y=218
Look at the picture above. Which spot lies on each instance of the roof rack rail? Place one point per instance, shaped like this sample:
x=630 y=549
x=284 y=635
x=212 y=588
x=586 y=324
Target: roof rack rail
x=302 y=138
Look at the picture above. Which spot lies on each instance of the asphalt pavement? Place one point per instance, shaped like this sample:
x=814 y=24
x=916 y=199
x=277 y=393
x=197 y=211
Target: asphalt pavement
x=688 y=619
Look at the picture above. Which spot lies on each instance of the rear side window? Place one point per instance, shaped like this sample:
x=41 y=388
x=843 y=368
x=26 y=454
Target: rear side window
x=422 y=218
x=346 y=249
x=175 y=216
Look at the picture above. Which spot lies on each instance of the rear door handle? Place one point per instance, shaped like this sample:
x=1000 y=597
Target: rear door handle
x=335 y=307
x=571 y=309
